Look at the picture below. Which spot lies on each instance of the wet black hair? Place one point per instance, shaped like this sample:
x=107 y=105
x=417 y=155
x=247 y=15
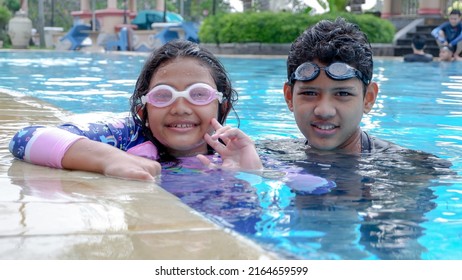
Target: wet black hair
x=159 y=57
x=332 y=41
x=419 y=41
x=455 y=12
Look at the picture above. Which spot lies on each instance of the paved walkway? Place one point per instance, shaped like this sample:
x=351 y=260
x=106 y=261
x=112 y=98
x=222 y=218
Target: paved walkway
x=48 y=213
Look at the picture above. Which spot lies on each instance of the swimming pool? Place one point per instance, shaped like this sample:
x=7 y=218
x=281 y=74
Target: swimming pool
x=386 y=207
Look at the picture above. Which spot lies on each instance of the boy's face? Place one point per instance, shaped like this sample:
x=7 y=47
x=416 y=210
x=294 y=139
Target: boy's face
x=445 y=54
x=454 y=19
x=328 y=112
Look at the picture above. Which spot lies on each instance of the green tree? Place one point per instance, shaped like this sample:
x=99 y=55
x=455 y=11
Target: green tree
x=56 y=13
x=12 y=5
x=5 y=16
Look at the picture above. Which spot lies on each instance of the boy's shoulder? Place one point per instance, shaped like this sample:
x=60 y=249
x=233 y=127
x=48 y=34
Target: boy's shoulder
x=296 y=148
x=374 y=150
x=412 y=57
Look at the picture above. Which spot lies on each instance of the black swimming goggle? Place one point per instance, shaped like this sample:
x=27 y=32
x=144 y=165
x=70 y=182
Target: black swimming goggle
x=339 y=71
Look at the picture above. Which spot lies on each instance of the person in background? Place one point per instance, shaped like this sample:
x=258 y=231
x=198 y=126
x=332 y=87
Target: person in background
x=446 y=54
x=418 y=54
x=449 y=33
x=180 y=103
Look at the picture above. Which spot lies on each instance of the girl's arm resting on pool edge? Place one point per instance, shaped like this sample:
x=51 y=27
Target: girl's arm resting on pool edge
x=42 y=145
x=93 y=156
x=58 y=148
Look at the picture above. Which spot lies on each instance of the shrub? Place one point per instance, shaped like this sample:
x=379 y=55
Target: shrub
x=283 y=27
x=5 y=16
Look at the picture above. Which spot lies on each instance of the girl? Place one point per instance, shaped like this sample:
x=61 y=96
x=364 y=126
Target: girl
x=181 y=99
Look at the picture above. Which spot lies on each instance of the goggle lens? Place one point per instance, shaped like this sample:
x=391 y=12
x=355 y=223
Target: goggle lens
x=197 y=94
x=308 y=71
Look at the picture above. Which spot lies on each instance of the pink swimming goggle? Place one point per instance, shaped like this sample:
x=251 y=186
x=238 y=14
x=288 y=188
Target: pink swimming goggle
x=197 y=94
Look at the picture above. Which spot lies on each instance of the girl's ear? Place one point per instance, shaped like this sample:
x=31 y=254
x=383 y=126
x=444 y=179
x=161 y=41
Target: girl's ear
x=223 y=111
x=225 y=106
x=370 y=97
x=288 y=96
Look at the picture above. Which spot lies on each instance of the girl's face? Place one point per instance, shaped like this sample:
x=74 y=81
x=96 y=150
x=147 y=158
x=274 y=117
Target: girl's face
x=181 y=126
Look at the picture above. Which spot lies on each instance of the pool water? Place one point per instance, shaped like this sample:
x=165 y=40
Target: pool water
x=390 y=206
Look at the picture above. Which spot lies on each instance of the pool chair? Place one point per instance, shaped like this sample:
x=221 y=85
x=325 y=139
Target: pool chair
x=74 y=38
x=123 y=42
x=190 y=31
x=166 y=35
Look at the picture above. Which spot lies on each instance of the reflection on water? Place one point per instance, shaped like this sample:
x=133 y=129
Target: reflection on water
x=375 y=211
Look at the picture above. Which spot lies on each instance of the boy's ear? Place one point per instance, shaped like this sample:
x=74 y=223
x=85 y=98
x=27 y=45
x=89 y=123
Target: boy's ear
x=288 y=96
x=370 y=97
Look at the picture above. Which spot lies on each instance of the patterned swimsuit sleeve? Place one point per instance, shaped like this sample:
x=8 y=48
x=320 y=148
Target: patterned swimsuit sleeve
x=47 y=145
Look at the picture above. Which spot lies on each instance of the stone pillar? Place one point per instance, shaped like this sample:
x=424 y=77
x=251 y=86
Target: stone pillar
x=85 y=5
x=24 y=6
x=85 y=14
x=430 y=8
x=391 y=8
x=112 y=4
x=160 y=5
x=132 y=5
x=386 y=9
x=132 y=8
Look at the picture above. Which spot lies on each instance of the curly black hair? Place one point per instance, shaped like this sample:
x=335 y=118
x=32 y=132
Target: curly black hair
x=332 y=41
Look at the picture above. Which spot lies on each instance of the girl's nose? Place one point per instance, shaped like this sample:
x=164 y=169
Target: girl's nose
x=181 y=106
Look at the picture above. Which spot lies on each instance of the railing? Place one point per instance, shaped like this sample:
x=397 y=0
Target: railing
x=411 y=7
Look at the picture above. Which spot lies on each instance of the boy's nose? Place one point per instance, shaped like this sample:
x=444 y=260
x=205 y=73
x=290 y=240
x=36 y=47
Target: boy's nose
x=324 y=109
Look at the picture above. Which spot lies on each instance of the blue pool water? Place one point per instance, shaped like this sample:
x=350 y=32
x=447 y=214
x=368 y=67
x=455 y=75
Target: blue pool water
x=400 y=206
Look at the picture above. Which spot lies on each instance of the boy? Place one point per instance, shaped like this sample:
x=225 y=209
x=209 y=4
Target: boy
x=446 y=54
x=330 y=87
x=450 y=33
x=418 y=54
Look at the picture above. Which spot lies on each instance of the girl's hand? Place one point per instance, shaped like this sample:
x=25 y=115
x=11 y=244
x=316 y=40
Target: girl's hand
x=88 y=155
x=238 y=150
x=131 y=167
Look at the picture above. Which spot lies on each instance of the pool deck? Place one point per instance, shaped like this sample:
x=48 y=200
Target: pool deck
x=57 y=214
